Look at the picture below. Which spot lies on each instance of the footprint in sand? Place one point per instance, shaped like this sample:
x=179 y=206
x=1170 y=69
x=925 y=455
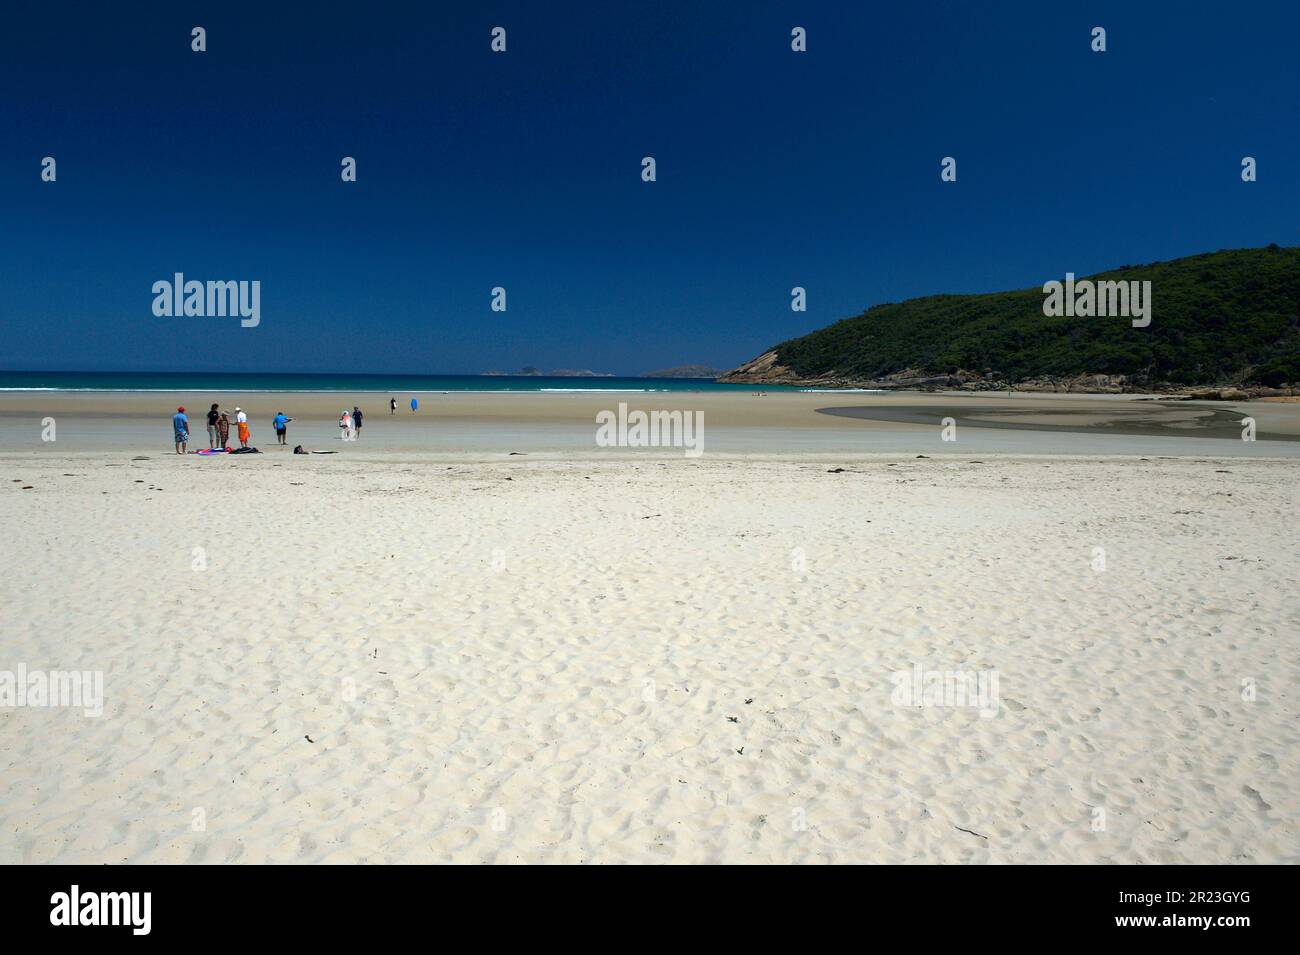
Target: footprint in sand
x=1256 y=798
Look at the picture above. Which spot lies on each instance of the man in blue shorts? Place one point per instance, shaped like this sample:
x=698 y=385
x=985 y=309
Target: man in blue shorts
x=181 y=427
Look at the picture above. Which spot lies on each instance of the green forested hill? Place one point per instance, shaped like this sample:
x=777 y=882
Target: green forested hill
x=1230 y=316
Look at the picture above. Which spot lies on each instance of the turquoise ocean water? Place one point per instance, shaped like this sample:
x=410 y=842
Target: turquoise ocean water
x=382 y=384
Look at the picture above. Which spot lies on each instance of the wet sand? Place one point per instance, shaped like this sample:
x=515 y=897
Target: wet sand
x=1152 y=420
x=488 y=424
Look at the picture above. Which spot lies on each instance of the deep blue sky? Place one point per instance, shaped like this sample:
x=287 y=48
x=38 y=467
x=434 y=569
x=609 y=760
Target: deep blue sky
x=523 y=170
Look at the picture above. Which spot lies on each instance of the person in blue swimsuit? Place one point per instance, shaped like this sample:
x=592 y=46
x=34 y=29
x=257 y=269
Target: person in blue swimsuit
x=281 y=423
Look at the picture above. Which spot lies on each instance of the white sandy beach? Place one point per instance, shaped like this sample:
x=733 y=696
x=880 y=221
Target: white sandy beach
x=642 y=658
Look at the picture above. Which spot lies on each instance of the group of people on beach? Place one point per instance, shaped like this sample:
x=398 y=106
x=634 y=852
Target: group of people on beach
x=350 y=423
x=219 y=426
x=392 y=405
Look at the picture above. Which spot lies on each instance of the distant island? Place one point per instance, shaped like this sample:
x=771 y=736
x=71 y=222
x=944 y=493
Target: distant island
x=529 y=371
x=681 y=371
x=686 y=371
x=1223 y=324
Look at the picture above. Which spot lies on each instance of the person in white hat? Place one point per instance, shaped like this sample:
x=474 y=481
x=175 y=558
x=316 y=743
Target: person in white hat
x=241 y=420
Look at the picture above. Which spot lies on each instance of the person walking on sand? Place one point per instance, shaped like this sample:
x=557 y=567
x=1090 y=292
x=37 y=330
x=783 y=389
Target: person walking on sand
x=281 y=425
x=214 y=415
x=181 y=429
x=356 y=420
x=345 y=425
x=415 y=404
x=223 y=430
x=392 y=406
x=242 y=420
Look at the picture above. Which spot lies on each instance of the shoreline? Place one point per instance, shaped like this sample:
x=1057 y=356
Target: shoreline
x=1282 y=395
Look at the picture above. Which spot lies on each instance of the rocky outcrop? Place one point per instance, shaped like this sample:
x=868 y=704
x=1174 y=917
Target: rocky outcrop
x=763 y=370
x=767 y=369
